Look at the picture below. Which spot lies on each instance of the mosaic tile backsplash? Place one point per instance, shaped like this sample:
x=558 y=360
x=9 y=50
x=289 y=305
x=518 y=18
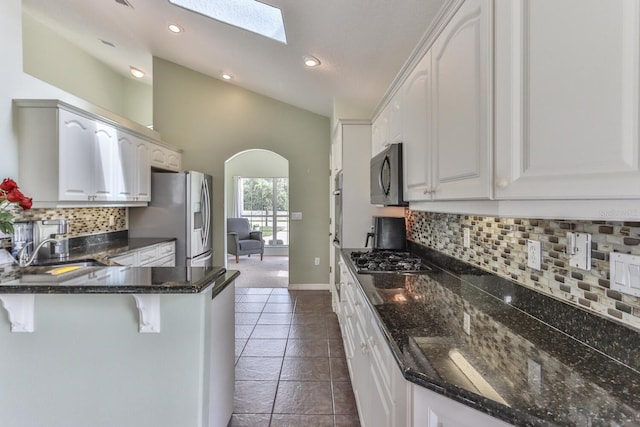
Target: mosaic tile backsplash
x=82 y=221
x=499 y=245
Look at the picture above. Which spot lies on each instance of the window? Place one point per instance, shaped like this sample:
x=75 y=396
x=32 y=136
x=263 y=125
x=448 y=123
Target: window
x=250 y=15
x=265 y=203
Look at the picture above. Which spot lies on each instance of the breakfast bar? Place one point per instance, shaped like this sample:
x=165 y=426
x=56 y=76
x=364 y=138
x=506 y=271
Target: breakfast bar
x=116 y=345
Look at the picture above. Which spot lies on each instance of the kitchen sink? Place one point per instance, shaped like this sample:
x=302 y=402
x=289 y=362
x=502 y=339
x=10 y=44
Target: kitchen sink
x=89 y=262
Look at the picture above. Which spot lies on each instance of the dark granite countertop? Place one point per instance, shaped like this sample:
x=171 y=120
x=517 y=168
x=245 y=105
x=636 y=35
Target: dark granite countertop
x=540 y=361
x=112 y=278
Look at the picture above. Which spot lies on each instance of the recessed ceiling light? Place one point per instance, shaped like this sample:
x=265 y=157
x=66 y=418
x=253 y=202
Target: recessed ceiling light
x=175 y=28
x=136 y=72
x=311 y=61
x=227 y=76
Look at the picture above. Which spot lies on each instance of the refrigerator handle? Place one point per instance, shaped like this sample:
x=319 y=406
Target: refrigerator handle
x=206 y=205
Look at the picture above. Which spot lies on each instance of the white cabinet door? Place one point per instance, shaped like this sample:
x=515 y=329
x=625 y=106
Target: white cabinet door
x=105 y=148
x=133 y=171
x=86 y=159
x=164 y=158
x=76 y=136
x=416 y=128
x=142 y=174
x=430 y=409
x=567 y=99
x=336 y=149
x=376 y=137
x=125 y=166
x=462 y=99
x=382 y=124
x=395 y=118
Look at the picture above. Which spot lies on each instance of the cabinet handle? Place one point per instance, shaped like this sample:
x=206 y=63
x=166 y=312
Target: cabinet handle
x=502 y=183
x=363 y=347
x=357 y=303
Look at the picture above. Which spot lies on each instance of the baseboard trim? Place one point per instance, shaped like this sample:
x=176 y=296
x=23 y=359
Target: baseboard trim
x=309 y=286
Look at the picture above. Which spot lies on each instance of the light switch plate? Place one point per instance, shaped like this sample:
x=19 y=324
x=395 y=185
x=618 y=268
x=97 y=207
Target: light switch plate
x=534 y=254
x=296 y=216
x=579 y=250
x=466 y=237
x=624 y=273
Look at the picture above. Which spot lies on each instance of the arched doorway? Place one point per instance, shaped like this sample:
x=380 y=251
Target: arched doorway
x=256 y=186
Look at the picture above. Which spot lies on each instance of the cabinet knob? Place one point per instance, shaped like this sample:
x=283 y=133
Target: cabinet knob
x=502 y=183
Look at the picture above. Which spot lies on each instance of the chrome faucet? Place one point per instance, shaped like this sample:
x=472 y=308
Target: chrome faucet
x=24 y=261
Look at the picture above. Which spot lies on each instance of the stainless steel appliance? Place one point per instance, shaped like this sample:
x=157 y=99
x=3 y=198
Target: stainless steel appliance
x=386 y=177
x=337 y=230
x=337 y=194
x=388 y=233
x=180 y=208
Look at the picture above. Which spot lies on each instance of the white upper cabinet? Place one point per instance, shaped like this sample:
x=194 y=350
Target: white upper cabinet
x=68 y=156
x=461 y=104
x=416 y=130
x=567 y=99
x=395 y=119
x=75 y=170
x=446 y=120
x=380 y=131
x=133 y=170
x=86 y=158
x=387 y=127
x=165 y=158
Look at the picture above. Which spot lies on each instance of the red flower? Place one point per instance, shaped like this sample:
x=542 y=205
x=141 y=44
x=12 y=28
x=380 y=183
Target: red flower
x=26 y=203
x=14 y=196
x=8 y=184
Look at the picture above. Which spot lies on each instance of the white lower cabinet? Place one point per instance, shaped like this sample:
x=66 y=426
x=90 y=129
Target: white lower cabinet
x=159 y=255
x=430 y=409
x=378 y=384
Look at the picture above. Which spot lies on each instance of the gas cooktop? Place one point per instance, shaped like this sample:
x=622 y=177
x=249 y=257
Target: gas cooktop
x=383 y=261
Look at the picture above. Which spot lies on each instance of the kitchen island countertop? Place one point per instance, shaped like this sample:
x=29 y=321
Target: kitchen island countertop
x=113 y=278
x=546 y=362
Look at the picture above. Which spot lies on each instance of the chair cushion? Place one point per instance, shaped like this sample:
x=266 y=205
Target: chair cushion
x=250 y=244
x=240 y=226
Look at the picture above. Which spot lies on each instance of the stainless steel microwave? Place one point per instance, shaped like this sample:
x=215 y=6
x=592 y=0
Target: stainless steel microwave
x=386 y=177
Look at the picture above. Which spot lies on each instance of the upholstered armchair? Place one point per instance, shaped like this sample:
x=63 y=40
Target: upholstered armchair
x=241 y=240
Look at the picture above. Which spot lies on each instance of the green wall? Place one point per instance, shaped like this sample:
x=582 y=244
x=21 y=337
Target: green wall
x=51 y=58
x=212 y=120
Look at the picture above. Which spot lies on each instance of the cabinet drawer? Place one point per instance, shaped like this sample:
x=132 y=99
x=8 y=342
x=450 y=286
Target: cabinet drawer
x=147 y=255
x=165 y=249
x=381 y=356
x=167 y=261
x=129 y=259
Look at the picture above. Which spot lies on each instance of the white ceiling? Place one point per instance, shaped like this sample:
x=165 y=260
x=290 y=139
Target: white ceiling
x=362 y=44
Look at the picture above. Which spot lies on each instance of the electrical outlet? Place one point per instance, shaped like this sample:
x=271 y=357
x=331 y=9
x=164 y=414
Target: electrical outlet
x=112 y=220
x=466 y=323
x=466 y=237
x=534 y=254
x=534 y=377
x=316 y=261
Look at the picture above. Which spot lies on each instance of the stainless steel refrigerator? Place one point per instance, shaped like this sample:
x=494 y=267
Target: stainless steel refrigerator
x=180 y=207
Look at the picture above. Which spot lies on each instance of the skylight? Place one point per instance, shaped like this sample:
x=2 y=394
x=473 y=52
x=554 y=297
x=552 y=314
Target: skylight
x=249 y=15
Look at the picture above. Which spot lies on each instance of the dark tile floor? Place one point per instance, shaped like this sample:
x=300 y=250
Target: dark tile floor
x=290 y=364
